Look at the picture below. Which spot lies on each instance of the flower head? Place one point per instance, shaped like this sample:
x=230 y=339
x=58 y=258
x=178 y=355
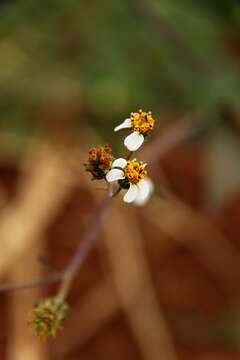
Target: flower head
x=134 y=171
x=131 y=176
x=47 y=317
x=141 y=124
x=99 y=161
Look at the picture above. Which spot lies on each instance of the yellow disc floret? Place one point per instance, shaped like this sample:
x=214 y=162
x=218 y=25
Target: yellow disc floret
x=134 y=171
x=142 y=121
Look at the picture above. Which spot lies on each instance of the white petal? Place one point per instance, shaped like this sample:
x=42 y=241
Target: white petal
x=134 y=141
x=144 y=188
x=139 y=201
x=150 y=184
x=124 y=125
x=114 y=175
x=143 y=197
x=119 y=163
x=131 y=194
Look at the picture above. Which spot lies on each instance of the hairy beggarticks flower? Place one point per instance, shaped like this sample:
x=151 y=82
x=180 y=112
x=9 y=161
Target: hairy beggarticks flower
x=141 y=124
x=131 y=176
x=99 y=161
x=47 y=317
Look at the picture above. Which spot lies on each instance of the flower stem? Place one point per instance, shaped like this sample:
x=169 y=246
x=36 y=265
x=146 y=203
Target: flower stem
x=116 y=192
x=83 y=248
x=130 y=155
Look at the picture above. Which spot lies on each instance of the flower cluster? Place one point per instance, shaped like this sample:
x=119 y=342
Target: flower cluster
x=129 y=174
x=99 y=161
x=47 y=317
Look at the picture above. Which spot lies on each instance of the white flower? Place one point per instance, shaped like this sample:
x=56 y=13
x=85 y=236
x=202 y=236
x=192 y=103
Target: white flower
x=133 y=173
x=141 y=123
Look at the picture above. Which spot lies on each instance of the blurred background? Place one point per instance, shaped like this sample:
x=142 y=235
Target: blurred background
x=162 y=281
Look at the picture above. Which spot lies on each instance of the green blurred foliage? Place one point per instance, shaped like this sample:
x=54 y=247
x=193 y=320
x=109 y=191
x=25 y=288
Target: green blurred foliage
x=111 y=57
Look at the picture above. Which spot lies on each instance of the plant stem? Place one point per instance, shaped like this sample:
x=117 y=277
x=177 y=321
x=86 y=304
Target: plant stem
x=130 y=155
x=83 y=248
x=51 y=279
x=116 y=192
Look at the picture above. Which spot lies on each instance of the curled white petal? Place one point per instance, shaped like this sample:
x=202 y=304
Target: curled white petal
x=131 y=194
x=124 y=125
x=134 y=141
x=114 y=175
x=143 y=196
x=119 y=163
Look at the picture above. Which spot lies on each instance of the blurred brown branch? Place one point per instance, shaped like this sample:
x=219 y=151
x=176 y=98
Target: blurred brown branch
x=171 y=137
x=134 y=285
x=43 y=188
x=193 y=230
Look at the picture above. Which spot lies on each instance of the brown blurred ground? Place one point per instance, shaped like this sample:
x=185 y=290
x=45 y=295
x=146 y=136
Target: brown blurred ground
x=185 y=287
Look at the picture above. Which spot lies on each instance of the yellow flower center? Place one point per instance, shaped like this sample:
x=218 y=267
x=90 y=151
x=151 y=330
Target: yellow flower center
x=142 y=121
x=134 y=171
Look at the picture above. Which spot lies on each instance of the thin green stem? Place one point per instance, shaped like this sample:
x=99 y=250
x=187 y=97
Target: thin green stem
x=116 y=192
x=130 y=155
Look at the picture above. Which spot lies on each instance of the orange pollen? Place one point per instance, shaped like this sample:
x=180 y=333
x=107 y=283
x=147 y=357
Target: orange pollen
x=142 y=121
x=135 y=171
x=101 y=155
